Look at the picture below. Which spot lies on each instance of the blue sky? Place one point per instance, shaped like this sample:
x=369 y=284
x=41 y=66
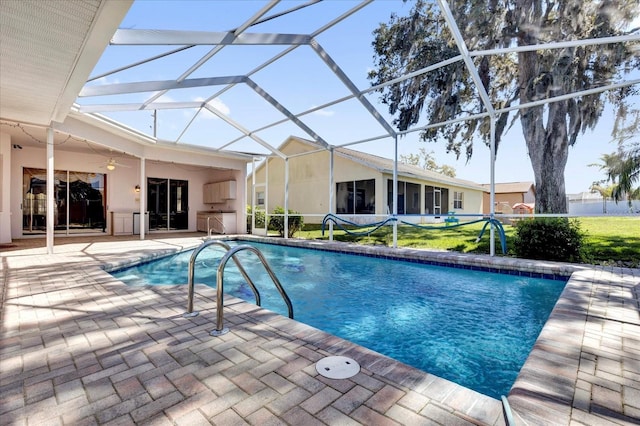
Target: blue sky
x=301 y=81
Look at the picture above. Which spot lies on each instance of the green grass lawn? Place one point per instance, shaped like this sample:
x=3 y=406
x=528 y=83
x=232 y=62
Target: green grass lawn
x=612 y=240
x=608 y=240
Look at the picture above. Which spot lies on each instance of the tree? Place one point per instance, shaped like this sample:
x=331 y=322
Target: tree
x=626 y=171
x=604 y=191
x=427 y=161
x=627 y=167
x=408 y=44
x=623 y=169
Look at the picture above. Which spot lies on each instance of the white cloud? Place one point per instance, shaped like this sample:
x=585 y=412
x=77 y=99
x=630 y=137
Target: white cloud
x=216 y=104
x=323 y=112
x=164 y=98
x=106 y=80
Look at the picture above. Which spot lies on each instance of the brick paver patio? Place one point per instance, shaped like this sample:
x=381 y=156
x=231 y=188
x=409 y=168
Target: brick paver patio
x=79 y=347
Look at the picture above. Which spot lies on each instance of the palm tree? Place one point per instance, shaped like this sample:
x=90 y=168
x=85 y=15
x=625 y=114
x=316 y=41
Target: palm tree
x=627 y=173
x=623 y=170
x=604 y=191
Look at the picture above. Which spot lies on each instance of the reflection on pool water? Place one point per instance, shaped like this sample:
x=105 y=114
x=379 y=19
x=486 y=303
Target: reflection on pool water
x=474 y=328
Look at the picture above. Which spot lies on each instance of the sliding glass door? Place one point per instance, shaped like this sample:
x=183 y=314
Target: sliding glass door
x=168 y=204
x=79 y=202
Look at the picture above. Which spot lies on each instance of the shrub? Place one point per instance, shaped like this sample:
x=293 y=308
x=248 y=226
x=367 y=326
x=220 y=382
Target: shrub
x=556 y=239
x=276 y=223
x=259 y=218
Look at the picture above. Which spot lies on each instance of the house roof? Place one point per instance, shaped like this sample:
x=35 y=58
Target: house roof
x=511 y=187
x=383 y=165
x=528 y=206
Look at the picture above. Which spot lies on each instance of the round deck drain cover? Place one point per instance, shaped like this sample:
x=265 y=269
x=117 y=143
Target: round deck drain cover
x=337 y=367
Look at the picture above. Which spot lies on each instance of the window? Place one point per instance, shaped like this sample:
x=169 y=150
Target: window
x=458 y=198
x=260 y=198
x=357 y=197
x=412 y=198
x=408 y=197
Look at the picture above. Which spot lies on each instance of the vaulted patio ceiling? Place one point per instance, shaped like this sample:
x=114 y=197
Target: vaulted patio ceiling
x=47 y=51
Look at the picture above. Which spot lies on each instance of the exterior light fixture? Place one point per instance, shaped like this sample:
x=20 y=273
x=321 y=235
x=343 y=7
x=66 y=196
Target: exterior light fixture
x=137 y=188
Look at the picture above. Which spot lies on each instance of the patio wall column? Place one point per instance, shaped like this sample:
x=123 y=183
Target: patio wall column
x=253 y=194
x=5 y=193
x=50 y=191
x=266 y=195
x=143 y=198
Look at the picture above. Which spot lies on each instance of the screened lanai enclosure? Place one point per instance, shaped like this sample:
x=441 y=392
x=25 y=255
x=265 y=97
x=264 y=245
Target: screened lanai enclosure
x=241 y=77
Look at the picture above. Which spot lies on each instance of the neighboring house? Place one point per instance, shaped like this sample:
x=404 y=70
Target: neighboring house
x=363 y=185
x=507 y=195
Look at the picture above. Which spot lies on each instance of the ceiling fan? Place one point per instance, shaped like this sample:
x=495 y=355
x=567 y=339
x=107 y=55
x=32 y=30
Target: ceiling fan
x=111 y=164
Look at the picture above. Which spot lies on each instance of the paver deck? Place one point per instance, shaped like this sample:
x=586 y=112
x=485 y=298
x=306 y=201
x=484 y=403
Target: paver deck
x=79 y=347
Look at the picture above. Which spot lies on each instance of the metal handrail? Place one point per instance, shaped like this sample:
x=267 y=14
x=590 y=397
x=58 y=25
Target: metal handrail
x=220 y=330
x=192 y=267
x=230 y=254
x=506 y=412
x=209 y=228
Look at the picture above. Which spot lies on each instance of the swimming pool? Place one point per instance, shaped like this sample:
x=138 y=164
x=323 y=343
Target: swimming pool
x=474 y=328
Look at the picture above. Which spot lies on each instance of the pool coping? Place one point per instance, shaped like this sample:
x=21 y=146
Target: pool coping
x=504 y=265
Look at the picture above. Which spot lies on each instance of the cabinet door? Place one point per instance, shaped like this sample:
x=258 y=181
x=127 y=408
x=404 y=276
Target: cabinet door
x=206 y=193
x=117 y=223
x=216 y=192
x=229 y=220
x=127 y=224
x=201 y=224
x=229 y=190
x=223 y=190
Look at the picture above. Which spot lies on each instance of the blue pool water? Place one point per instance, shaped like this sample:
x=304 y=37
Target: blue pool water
x=474 y=328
